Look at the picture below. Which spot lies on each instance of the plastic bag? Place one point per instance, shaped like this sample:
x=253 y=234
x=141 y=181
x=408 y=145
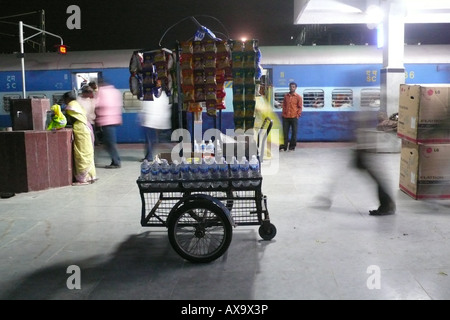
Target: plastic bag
x=59 y=121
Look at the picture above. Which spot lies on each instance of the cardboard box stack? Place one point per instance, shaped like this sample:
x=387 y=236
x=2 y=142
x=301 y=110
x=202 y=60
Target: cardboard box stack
x=423 y=126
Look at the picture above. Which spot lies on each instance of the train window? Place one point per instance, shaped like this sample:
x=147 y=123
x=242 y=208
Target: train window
x=370 y=97
x=278 y=98
x=130 y=101
x=7 y=100
x=342 y=98
x=313 y=98
x=37 y=96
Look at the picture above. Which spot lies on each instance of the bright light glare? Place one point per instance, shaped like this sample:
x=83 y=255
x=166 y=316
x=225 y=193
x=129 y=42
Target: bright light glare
x=244 y=39
x=380 y=36
x=374 y=14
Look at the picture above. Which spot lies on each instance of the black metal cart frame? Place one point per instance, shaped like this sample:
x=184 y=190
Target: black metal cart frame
x=200 y=219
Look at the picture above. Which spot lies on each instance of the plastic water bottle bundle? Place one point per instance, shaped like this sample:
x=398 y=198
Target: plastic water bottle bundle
x=165 y=173
x=195 y=174
x=155 y=174
x=223 y=172
x=203 y=147
x=209 y=152
x=254 y=171
x=174 y=174
x=204 y=174
x=244 y=168
x=214 y=173
x=218 y=150
x=235 y=172
x=196 y=147
x=145 y=173
x=185 y=173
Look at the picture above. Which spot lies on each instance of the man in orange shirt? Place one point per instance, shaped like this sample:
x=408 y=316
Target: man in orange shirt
x=292 y=110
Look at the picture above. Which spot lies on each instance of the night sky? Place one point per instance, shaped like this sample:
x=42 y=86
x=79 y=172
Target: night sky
x=142 y=24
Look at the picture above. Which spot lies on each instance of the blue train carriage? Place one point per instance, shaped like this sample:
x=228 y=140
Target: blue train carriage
x=50 y=75
x=335 y=82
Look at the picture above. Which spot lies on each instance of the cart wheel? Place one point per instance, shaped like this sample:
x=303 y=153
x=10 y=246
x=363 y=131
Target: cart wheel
x=199 y=231
x=267 y=232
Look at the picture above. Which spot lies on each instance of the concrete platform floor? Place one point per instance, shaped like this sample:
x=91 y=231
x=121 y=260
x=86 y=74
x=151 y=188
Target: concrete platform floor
x=327 y=247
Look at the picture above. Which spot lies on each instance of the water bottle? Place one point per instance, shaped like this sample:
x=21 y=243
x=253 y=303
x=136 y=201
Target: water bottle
x=145 y=173
x=244 y=168
x=174 y=174
x=196 y=147
x=165 y=173
x=223 y=171
x=204 y=174
x=185 y=173
x=194 y=171
x=218 y=150
x=235 y=172
x=215 y=173
x=155 y=174
x=254 y=171
x=209 y=149
x=203 y=148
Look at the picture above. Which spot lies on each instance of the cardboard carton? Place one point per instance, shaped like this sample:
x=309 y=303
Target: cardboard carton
x=424 y=113
x=425 y=170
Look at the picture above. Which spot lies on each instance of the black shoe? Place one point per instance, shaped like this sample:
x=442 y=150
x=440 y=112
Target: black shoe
x=113 y=166
x=283 y=148
x=383 y=211
x=291 y=149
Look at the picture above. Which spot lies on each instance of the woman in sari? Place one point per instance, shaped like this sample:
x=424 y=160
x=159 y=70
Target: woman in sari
x=83 y=137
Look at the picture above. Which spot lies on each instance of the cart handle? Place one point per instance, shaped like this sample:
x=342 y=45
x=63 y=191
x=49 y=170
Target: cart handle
x=262 y=137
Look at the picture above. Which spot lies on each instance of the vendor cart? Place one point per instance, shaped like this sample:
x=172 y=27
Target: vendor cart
x=200 y=220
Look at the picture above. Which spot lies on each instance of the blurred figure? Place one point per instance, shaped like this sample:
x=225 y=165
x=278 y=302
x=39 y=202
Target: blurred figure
x=263 y=110
x=292 y=111
x=97 y=129
x=94 y=87
x=108 y=112
x=365 y=160
x=86 y=100
x=83 y=149
x=155 y=115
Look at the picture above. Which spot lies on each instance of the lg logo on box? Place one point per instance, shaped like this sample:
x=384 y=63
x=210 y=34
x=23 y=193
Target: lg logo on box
x=74 y=20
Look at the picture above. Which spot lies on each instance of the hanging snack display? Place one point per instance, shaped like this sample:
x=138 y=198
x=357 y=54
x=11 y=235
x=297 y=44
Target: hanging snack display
x=246 y=70
x=204 y=65
x=150 y=73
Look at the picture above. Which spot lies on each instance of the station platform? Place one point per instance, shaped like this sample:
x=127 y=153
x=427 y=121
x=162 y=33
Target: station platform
x=327 y=246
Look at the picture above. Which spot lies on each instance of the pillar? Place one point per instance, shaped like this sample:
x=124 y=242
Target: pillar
x=393 y=71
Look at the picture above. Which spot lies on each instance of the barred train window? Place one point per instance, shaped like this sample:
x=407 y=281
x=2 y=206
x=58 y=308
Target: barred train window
x=313 y=98
x=7 y=101
x=37 y=96
x=342 y=98
x=278 y=98
x=370 y=98
x=130 y=101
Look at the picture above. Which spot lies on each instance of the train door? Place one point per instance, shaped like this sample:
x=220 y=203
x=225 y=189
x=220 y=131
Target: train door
x=80 y=79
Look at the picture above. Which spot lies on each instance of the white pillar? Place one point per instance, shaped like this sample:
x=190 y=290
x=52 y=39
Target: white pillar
x=22 y=59
x=393 y=71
